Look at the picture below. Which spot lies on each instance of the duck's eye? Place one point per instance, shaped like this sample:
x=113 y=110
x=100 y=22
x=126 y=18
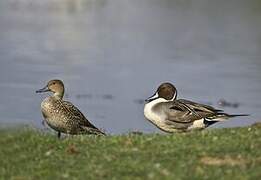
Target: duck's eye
x=54 y=83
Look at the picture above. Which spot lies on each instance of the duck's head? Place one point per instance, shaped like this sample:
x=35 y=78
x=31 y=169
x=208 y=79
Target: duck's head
x=166 y=91
x=56 y=86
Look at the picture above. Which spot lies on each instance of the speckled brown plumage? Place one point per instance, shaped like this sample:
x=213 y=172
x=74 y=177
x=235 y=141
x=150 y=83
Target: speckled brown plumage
x=63 y=116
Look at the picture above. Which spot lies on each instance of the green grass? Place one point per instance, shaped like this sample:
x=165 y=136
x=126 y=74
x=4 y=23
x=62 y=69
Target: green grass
x=210 y=154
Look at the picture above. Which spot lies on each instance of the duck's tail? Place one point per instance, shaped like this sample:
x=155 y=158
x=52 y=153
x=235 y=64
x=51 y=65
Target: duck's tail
x=94 y=131
x=220 y=117
x=223 y=116
x=235 y=115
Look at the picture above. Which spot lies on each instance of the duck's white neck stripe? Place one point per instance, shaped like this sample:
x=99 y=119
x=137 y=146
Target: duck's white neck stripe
x=155 y=96
x=174 y=97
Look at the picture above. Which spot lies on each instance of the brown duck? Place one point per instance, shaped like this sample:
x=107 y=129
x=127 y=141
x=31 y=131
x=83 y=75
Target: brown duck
x=63 y=116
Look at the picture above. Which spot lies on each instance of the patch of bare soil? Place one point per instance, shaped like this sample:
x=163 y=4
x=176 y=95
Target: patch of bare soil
x=226 y=160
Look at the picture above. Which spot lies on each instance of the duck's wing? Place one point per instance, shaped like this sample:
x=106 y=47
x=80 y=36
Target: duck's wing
x=180 y=112
x=80 y=118
x=207 y=112
x=199 y=107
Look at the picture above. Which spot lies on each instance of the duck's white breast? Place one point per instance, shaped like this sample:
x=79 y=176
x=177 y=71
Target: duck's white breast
x=152 y=114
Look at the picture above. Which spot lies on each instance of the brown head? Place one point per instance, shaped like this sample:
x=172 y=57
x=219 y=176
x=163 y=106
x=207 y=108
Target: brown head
x=166 y=91
x=56 y=86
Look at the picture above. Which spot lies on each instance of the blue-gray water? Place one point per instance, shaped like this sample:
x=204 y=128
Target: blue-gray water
x=111 y=54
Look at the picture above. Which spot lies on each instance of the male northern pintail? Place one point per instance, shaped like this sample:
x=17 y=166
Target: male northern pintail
x=63 y=116
x=170 y=114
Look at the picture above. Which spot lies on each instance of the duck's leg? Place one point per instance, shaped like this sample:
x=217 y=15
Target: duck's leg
x=59 y=135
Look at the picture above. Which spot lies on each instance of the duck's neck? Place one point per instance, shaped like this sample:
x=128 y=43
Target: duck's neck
x=175 y=96
x=58 y=95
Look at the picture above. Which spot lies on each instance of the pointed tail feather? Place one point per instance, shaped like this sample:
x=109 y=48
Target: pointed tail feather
x=94 y=131
x=220 y=117
x=223 y=116
x=235 y=115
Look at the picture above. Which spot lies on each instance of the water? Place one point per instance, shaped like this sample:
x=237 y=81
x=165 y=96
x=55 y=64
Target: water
x=112 y=54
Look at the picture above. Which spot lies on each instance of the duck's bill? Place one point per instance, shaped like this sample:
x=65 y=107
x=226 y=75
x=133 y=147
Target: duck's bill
x=151 y=98
x=45 y=89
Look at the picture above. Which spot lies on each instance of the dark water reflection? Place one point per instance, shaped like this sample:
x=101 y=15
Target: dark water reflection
x=111 y=54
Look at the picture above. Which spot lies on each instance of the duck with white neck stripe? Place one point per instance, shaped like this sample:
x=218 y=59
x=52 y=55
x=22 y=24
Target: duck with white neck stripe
x=170 y=114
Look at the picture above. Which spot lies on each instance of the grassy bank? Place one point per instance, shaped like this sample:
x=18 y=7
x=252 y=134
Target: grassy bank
x=210 y=154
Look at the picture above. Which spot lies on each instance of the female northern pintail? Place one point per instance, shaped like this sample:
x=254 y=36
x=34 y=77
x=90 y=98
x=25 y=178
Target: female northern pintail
x=170 y=114
x=63 y=116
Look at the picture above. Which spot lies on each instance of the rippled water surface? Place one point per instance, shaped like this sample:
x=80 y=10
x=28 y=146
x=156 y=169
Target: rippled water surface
x=112 y=54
